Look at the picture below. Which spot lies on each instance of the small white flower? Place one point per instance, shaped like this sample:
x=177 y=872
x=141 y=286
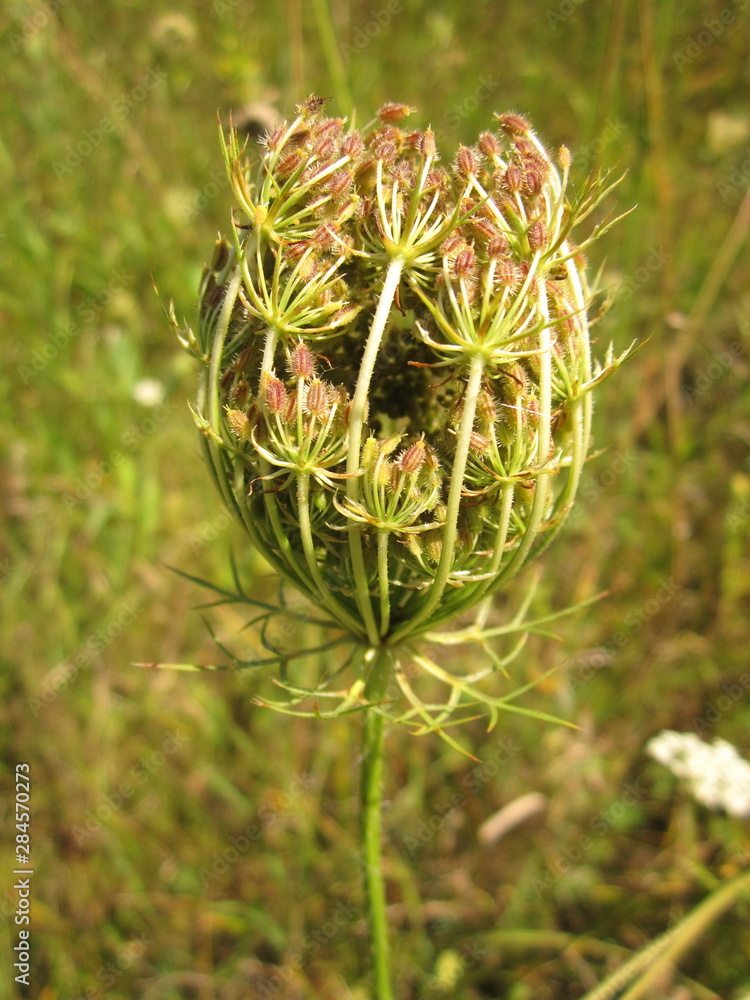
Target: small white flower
x=715 y=774
x=148 y=392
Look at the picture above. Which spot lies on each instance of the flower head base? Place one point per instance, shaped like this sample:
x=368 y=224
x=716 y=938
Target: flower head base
x=396 y=386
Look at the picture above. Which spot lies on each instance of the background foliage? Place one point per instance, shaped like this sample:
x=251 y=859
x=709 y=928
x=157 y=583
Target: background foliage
x=189 y=845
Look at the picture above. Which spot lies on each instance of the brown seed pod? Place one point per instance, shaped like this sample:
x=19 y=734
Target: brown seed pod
x=316 y=398
x=412 y=459
x=392 y=113
x=427 y=146
x=466 y=162
x=489 y=145
x=274 y=394
x=513 y=124
x=302 y=363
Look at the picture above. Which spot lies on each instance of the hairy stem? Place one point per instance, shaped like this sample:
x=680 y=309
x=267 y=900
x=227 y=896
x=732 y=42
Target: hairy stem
x=269 y=349
x=383 y=585
x=217 y=350
x=356 y=426
x=543 y=488
x=338 y=611
x=371 y=801
x=287 y=553
x=450 y=531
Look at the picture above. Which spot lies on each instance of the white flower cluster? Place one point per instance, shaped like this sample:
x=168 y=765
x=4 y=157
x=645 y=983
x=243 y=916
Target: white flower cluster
x=715 y=773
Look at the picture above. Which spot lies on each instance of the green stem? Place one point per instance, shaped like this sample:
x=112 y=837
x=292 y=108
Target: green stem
x=584 y=342
x=209 y=395
x=501 y=536
x=356 y=426
x=269 y=349
x=287 y=553
x=580 y=409
x=383 y=584
x=217 y=351
x=269 y=497
x=324 y=593
x=371 y=795
x=450 y=531
x=543 y=488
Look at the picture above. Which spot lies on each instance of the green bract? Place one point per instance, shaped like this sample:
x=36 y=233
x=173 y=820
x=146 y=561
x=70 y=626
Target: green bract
x=396 y=372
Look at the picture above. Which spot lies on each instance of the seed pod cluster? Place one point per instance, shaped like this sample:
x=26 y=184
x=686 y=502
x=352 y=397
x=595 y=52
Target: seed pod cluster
x=395 y=392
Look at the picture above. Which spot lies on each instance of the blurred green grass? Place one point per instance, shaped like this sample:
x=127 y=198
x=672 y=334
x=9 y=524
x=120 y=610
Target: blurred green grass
x=111 y=176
